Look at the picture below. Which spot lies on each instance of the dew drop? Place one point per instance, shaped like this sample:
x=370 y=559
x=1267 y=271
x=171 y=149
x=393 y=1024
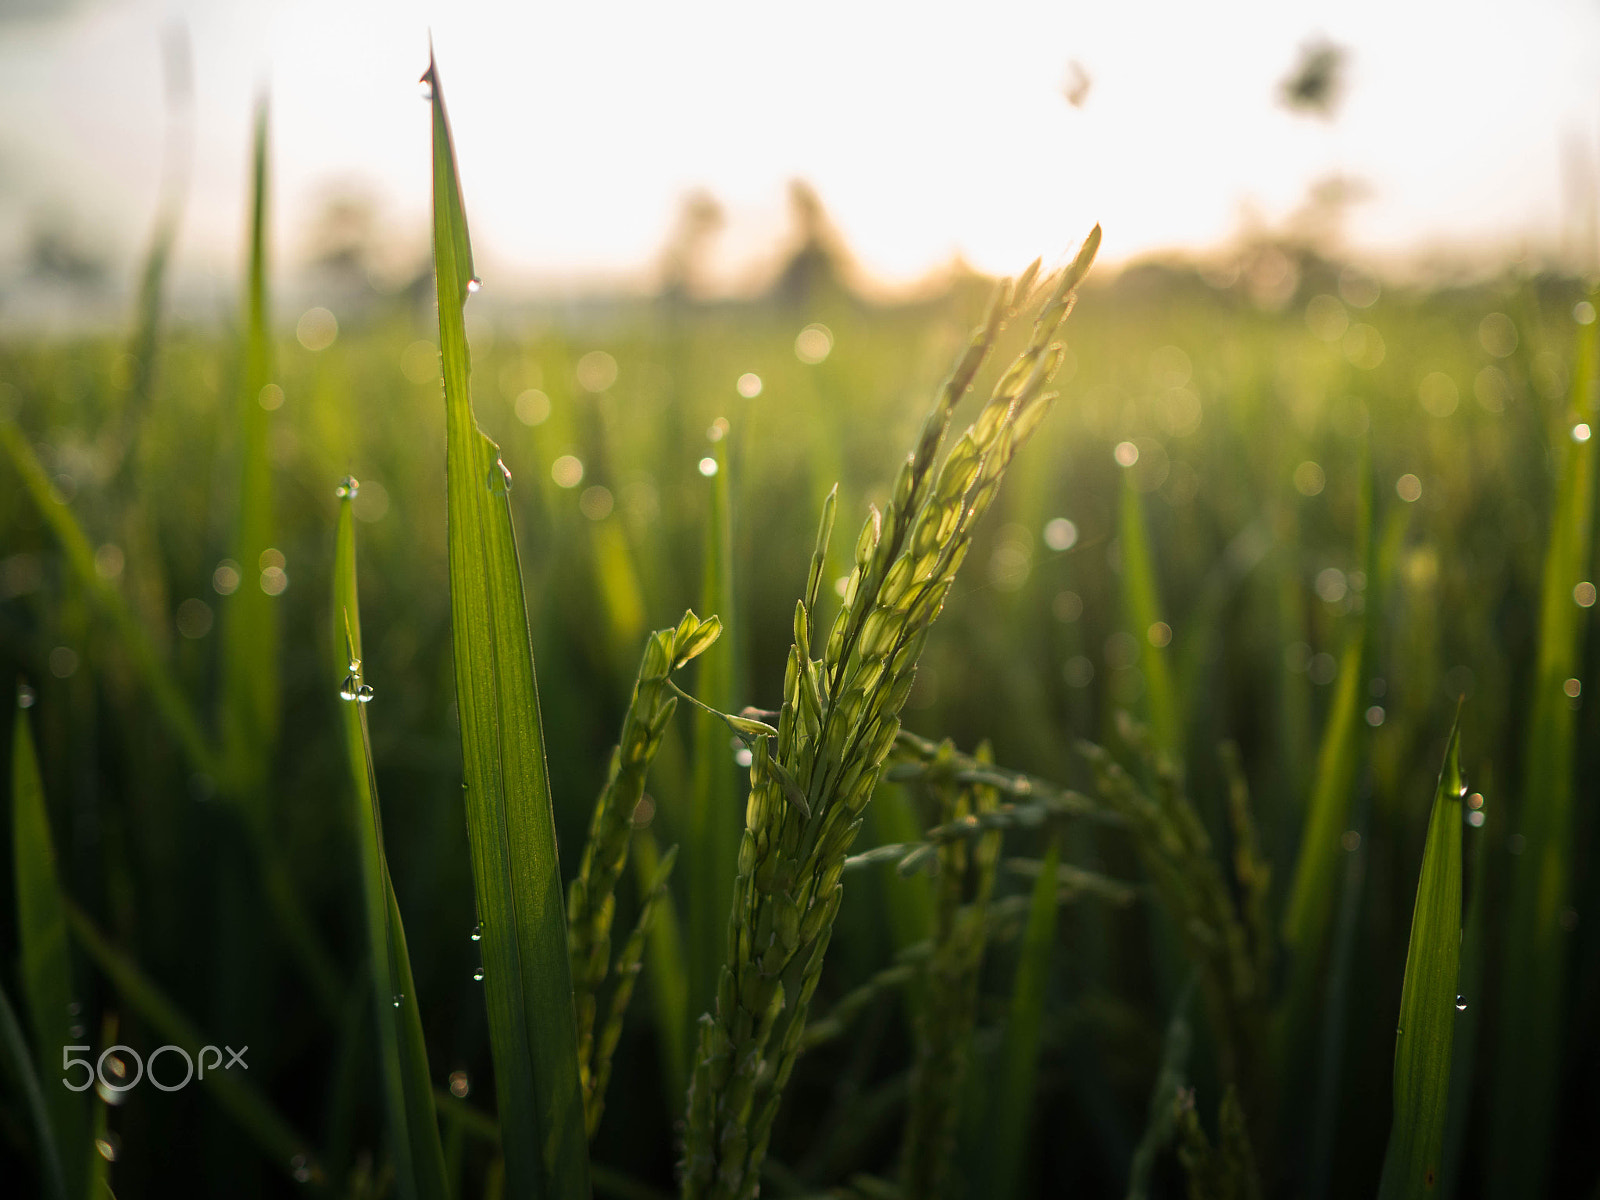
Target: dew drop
x=350 y=688
x=477 y=932
x=300 y=1169
x=477 y=975
x=364 y=693
x=348 y=488
x=107 y=1147
x=499 y=478
x=355 y=666
x=25 y=696
x=1461 y=1004
x=474 y=286
x=399 y=998
x=426 y=86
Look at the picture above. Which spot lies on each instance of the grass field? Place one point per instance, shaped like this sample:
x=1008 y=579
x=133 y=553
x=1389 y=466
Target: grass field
x=1197 y=672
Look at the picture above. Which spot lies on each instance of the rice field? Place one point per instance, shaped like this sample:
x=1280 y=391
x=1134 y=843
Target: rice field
x=1177 y=788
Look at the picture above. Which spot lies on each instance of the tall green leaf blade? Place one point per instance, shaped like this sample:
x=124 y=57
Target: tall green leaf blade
x=510 y=823
x=20 y=1067
x=1422 y=1051
x=1534 y=971
x=46 y=957
x=250 y=636
x=408 y=1094
x=1011 y=1094
x=1142 y=608
x=715 y=814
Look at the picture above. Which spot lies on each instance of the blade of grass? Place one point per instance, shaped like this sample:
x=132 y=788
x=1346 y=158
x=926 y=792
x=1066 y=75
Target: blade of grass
x=250 y=686
x=408 y=1094
x=240 y=1099
x=1010 y=1093
x=1142 y=609
x=510 y=823
x=46 y=953
x=1315 y=883
x=1533 y=974
x=19 y=1065
x=712 y=847
x=668 y=974
x=171 y=705
x=1411 y=1168
x=1464 y=1060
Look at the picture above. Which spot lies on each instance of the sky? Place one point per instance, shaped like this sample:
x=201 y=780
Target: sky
x=929 y=130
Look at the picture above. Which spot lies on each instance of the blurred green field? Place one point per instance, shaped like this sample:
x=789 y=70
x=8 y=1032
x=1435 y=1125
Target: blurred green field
x=1244 y=429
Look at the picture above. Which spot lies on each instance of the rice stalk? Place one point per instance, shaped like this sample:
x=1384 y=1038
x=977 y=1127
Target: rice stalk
x=591 y=898
x=950 y=999
x=1231 y=962
x=1164 y=1094
x=838 y=721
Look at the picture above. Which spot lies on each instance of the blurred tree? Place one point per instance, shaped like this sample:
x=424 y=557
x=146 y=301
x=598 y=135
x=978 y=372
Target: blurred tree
x=1317 y=83
x=817 y=265
x=683 y=262
x=1075 y=86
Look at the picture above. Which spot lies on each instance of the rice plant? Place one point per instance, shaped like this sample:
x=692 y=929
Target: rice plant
x=1101 y=889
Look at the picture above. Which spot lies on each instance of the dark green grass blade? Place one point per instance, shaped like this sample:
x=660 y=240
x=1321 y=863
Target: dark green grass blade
x=20 y=1071
x=1011 y=1092
x=1469 y=1021
x=171 y=705
x=46 y=959
x=276 y=1139
x=715 y=814
x=666 y=975
x=408 y=1095
x=1142 y=610
x=510 y=823
x=1315 y=884
x=1412 y=1167
x=1533 y=973
x=250 y=685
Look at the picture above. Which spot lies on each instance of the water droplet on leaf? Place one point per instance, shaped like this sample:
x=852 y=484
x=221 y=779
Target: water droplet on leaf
x=364 y=693
x=1461 y=1004
x=477 y=975
x=350 y=688
x=348 y=488
x=474 y=286
x=499 y=478
x=477 y=932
